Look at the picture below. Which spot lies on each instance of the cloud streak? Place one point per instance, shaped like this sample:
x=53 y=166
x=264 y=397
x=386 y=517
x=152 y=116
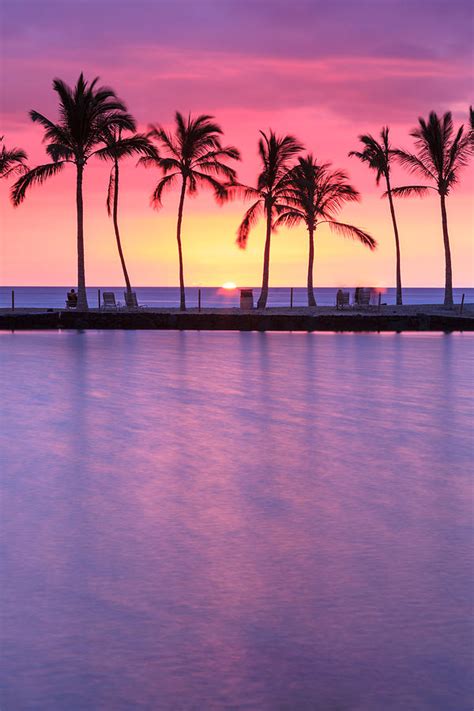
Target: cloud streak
x=389 y=89
x=365 y=59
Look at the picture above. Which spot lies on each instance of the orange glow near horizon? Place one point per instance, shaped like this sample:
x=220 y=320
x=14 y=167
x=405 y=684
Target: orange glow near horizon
x=38 y=246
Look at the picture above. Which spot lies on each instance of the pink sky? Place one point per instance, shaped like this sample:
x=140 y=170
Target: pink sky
x=325 y=74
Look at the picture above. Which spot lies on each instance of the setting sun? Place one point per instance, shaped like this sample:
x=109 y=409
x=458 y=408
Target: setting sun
x=229 y=285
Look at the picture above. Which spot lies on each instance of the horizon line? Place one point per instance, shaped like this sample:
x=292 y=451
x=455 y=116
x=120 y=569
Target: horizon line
x=218 y=286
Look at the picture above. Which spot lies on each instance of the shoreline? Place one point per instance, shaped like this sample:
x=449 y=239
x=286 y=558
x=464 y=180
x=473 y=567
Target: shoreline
x=427 y=317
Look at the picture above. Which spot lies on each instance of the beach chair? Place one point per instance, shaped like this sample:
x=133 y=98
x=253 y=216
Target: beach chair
x=109 y=302
x=362 y=297
x=130 y=300
x=342 y=299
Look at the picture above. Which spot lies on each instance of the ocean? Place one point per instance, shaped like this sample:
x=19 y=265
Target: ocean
x=166 y=297
x=203 y=520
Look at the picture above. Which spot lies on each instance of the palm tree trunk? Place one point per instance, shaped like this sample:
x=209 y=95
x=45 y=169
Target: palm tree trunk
x=116 y=227
x=82 y=304
x=182 y=301
x=311 y=299
x=397 y=241
x=262 y=301
x=448 y=289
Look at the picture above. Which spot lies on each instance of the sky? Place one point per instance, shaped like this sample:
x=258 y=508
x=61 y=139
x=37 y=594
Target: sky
x=323 y=71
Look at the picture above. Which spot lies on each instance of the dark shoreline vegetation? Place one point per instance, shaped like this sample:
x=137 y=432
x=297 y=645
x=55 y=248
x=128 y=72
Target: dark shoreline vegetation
x=290 y=189
x=278 y=319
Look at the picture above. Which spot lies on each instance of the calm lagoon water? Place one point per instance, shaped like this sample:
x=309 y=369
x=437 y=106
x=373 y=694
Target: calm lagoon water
x=236 y=521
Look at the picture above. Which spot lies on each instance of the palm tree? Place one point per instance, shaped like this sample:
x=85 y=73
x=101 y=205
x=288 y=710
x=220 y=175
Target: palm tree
x=194 y=154
x=378 y=157
x=11 y=161
x=471 y=125
x=276 y=153
x=440 y=156
x=112 y=138
x=314 y=195
x=86 y=113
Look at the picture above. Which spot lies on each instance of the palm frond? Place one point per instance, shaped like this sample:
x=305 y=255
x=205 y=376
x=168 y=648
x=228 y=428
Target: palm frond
x=441 y=151
x=164 y=184
x=414 y=164
x=250 y=219
x=165 y=138
x=125 y=147
x=288 y=217
x=220 y=189
x=59 y=151
x=357 y=154
x=222 y=152
x=214 y=167
x=431 y=138
x=16 y=169
x=36 y=176
x=180 y=126
x=169 y=164
x=197 y=136
x=316 y=189
x=353 y=233
x=245 y=192
x=376 y=155
x=149 y=161
x=53 y=132
x=194 y=150
x=89 y=115
x=114 y=120
x=276 y=153
x=409 y=190
x=457 y=157
x=191 y=184
x=12 y=161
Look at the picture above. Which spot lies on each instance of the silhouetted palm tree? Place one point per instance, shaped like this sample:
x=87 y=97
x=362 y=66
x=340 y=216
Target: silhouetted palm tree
x=194 y=154
x=112 y=138
x=440 y=156
x=378 y=157
x=471 y=124
x=86 y=113
x=314 y=195
x=11 y=161
x=276 y=153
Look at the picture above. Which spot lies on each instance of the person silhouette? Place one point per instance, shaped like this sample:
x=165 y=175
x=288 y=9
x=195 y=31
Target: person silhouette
x=72 y=297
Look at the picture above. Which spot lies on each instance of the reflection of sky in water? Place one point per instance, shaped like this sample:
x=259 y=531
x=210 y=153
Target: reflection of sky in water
x=236 y=520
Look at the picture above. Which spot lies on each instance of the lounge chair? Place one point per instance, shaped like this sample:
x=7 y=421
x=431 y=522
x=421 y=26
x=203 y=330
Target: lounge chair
x=342 y=299
x=109 y=302
x=362 y=297
x=130 y=300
